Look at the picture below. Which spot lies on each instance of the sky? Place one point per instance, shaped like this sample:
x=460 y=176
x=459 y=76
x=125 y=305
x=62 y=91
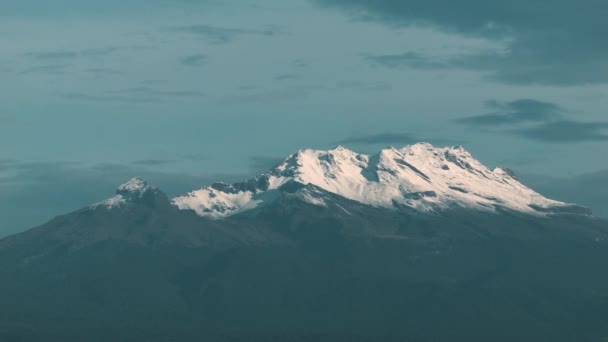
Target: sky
x=188 y=92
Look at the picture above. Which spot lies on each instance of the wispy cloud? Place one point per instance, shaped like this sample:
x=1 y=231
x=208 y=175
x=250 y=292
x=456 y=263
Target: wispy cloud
x=408 y=59
x=364 y=86
x=299 y=63
x=154 y=162
x=254 y=94
x=537 y=120
x=70 y=54
x=135 y=95
x=108 y=98
x=223 y=35
x=285 y=77
x=514 y=112
x=379 y=138
x=194 y=60
x=151 y=92
x=103 y=71
x=393 y=138
x=565 y=131
x=52 y=69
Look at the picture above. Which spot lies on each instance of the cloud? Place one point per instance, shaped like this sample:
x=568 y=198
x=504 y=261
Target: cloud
x=103 y=71
x=515 y=112
x=396 y=139
x=364 y=86
x=255 y=94
x=285 y=77
x=53 y=69
x=70 y=54
x=153 y=82
x=248 y=87
x=407 y=59
x=194 y=157
x=557 y=42
x=59 y=60
x=194 y=60
x=380 y=138
x=107 y=98
x=222 y=35
x=151 y=92
x=539 y=121
x=135 y=95
x=154 y=162
x=565 y=131
x=299 y=63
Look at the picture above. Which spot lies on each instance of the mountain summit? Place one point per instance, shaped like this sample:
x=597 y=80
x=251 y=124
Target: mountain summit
x=135 y=191
x=419 y=177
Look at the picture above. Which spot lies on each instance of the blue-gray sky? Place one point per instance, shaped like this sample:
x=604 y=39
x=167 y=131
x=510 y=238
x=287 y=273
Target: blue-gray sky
x=205 y=90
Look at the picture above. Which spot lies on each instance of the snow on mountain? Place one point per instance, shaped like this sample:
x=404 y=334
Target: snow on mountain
x=134 y=189
x=419 y=176
x=136 y=186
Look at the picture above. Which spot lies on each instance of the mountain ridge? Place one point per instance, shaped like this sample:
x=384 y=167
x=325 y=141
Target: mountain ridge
x=418 y=176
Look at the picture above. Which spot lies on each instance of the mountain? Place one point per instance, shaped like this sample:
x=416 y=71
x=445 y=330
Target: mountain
x=411 y=244
x=419 y=176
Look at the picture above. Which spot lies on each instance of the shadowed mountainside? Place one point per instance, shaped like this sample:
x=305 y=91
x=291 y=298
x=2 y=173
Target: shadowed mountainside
x=295 y=271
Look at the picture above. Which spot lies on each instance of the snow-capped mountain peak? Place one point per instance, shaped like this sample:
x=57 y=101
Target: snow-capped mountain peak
x=135 y=186
x=134 y=190
x=420 y=176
